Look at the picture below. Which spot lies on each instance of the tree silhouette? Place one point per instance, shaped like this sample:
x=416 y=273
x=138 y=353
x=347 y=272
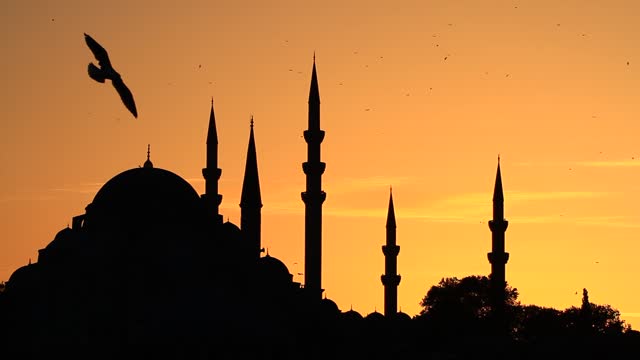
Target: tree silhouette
x=592 y=319
x=462 y=307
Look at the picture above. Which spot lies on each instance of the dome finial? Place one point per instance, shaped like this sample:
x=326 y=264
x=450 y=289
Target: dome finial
x=148 y=163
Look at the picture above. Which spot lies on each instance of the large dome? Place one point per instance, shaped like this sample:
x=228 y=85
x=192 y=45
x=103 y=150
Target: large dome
x=144 y=194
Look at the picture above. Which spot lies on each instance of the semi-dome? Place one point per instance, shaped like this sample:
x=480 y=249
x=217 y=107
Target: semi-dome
x=64 y=244
x=144 y=193
x=23 y=277
x=63 y=239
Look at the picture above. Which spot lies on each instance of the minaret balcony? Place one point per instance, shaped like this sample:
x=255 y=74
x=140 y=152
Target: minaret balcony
x=313 y=197
x=498 y=258
x=390 y=250
x=210 y=174
x=390 y=279
x=313 y=136
x=498 y=225
x=313 y=168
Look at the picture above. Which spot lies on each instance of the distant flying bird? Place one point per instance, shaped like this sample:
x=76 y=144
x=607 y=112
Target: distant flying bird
x=106 y=71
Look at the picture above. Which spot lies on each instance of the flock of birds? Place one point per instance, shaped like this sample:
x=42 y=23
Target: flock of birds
x=105 y=71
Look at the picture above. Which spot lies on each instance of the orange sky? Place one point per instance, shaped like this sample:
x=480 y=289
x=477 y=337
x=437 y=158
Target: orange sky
x=421 y=95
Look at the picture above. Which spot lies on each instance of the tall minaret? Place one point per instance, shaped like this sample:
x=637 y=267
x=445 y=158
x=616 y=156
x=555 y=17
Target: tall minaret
x=313 y=197
x=498 y=257
x=212 y=173
x=251 y=201
x=390 y=279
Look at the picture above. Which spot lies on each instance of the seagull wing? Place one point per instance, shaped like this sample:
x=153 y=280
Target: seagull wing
x=125 y=95
x=98 y=51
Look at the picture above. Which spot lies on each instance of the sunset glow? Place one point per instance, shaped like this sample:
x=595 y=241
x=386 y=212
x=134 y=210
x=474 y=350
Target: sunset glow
x=418 y=95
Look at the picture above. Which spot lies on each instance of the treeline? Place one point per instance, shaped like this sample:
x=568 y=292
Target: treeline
x=457 y=319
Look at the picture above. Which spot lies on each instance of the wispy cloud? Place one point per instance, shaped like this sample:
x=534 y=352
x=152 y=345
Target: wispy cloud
x=484 y=198
x=195 y=180
x=369 y=183
x=552 y=195
x=611 y=221
x=609 y=164
x=469 y=208
x=538 y=163
x=588 y=163
x=604 y=221
x=87 y=188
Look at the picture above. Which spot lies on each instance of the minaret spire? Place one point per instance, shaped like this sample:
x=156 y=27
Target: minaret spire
x=211 y=172
x=313 y=197
x=250 y=200
x=148 y=164
x=390 y=279
x=498 y=257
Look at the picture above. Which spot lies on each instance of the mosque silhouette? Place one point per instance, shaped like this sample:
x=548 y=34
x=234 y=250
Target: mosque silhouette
x=151 y=270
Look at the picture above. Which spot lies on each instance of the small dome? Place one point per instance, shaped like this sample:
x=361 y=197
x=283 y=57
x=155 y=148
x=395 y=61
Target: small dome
x=231 y=231
x=375 y=316
x=271 y=269
x=400 y=316
x=329 y=307
x=352 y=315
x=272 y=265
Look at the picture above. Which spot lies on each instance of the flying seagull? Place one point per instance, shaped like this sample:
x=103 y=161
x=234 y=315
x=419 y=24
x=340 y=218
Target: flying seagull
x=106 y=71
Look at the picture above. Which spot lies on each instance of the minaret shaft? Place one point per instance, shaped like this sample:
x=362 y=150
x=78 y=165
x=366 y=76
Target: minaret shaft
x=313 y=197
x=211 y=172
x=390 y=279
x=498 y=257
x=251 y=200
